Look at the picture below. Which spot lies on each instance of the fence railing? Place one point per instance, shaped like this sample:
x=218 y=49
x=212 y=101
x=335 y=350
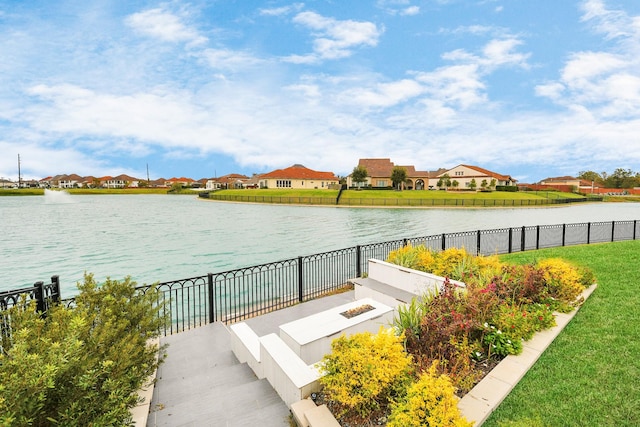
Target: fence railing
x=238 y=294
x=368 y=201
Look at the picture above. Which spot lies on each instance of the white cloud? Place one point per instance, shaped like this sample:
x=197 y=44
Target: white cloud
x=284 y=10
x=163 y=25
x=335 y=39
x=606 y=82
x=410 y=11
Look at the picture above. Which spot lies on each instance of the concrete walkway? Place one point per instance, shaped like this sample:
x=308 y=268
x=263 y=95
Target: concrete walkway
x=201 y=383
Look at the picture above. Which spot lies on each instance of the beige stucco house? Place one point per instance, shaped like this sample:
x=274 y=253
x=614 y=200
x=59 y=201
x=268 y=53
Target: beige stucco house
x=379 y=175
x=298 y=177
x=464 y=174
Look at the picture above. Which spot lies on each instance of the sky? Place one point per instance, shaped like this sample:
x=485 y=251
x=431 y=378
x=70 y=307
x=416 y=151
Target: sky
x=531 y=89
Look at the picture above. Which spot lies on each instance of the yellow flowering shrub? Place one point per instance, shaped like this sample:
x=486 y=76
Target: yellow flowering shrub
x=406 y=256
x=564 y=281
x=430 y=401
x=365 y=370
x=447 y=260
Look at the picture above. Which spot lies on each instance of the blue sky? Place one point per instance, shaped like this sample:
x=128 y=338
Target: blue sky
x=532 y=89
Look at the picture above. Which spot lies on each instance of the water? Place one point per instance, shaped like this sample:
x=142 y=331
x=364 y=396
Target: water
x=161 y=237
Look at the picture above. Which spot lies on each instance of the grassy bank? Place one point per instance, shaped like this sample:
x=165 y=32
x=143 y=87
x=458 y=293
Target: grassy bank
x=415 y=198
x=590 y=375
x=40 y=191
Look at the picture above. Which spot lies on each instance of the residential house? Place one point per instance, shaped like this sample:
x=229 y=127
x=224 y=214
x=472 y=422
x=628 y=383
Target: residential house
x=569 y=183
x=298 y=177
x=464 y=174
x=185 y=182
x=120 y=181
x=66 y=181
x=233 y=180
x=379 y=175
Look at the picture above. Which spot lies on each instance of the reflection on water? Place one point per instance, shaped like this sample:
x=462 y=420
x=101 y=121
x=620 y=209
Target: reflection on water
x=160 y=238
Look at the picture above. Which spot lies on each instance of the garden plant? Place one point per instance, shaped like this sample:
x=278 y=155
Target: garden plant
x=452 y=337
x=80 y=365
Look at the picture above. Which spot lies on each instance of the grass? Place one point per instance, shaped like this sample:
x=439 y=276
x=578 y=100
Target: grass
x=590 y=375
x=268 y=192
x=373 y=197
x=40 y=191
x=433 y=194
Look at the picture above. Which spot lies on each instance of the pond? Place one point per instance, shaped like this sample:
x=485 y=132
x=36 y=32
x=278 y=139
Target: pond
x=163 y=237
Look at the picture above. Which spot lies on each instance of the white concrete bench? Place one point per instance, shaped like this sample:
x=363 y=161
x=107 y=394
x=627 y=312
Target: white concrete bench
x=292 y=379
x=310 y=337
x=382 y=292
x=245 y=344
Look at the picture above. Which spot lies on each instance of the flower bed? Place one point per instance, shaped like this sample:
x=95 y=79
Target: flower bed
x=451 y=338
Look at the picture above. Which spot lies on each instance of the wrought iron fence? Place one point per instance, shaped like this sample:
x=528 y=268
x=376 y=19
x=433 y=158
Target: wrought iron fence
x=234 y=295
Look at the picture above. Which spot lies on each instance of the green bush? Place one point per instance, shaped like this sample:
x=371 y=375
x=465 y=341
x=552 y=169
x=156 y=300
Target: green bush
x=81 y=365
x=429 y=402
x=364 y=372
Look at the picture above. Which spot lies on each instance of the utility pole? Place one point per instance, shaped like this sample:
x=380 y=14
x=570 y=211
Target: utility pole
x=19 y=176
x=148 y=182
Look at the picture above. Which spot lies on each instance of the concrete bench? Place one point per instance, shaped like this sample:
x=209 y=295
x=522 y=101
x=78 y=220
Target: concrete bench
x=386 y=294
x=245 y=344
x=292 y=379
x=310 y=337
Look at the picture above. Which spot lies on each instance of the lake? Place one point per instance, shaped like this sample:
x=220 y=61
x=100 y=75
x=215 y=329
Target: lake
x=165 y=237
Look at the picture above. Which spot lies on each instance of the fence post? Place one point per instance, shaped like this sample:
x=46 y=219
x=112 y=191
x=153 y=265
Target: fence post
x=523 y=239
x=613 y=231
x=55 y=282
x=300 y=275
x=634 y=228
x=444 y=242
x=212 y=310
x=478 y=245
x=358 y=261
x=564 y=233
x=588 y=233
x=537 y=237
x=38 y=293
x=405 y=242
x=510 y=240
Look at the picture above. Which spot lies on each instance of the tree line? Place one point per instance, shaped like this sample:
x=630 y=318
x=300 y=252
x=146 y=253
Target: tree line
x=620 y=178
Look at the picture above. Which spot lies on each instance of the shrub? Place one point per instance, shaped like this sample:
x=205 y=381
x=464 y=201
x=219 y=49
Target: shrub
x=82 y=365
x=429 y=402
x=447 y=260
x=364 y=372
x=563 y=281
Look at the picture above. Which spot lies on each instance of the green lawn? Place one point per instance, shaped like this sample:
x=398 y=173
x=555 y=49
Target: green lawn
x=436 y=194
x=367 y=197
x=268 y=192
x=40 y=191
x=590 y=375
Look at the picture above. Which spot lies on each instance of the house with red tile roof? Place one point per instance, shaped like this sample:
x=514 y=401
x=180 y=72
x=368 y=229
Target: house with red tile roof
x=464 y=174
x=379 y=175
x=232 y=180
x=298 y=177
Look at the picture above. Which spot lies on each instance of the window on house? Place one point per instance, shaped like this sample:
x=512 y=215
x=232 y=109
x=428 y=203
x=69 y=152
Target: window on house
x=381 y=183
x=283 y=183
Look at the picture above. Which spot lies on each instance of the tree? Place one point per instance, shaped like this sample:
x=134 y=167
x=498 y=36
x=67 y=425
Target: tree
x=472 y=184
x=484 y=184
x=455 y=184
x=398 y=176
x=591 y=176
x=83 y=365
x=444 y=181
x=492 y=185
x=621 y=178
x=359 y=175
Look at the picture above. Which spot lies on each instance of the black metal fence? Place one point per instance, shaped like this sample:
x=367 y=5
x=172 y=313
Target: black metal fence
x=396 y=201
x=237 y=294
